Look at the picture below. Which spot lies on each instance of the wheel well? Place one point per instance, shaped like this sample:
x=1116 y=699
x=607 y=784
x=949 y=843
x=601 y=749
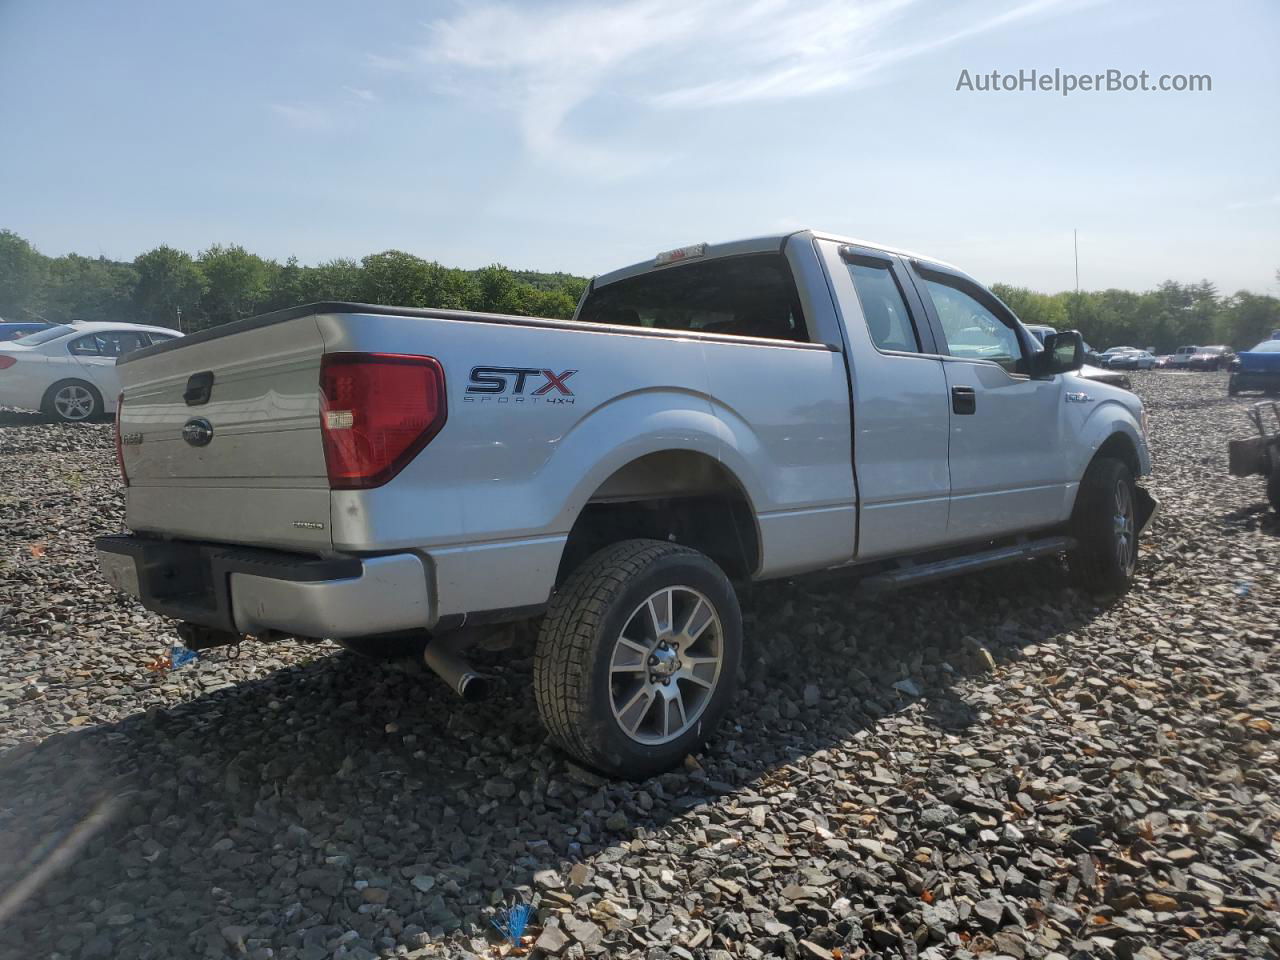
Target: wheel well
x=676 y=495
x=1120 y=447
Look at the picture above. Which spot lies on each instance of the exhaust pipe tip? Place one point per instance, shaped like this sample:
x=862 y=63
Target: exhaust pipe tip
x=473 y=687
x=462 y=678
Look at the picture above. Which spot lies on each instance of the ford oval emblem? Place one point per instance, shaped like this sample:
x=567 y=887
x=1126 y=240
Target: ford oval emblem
x=197 y=432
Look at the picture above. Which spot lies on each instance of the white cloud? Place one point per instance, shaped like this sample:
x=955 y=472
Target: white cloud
x=361 y=93
x=541 y=64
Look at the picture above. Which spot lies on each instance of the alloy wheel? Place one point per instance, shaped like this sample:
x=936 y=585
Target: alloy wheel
x=73 y=402
x=1123 y=526
x=665 y=665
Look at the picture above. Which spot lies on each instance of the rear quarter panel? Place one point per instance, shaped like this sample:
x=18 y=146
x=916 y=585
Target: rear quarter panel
x=492 y=498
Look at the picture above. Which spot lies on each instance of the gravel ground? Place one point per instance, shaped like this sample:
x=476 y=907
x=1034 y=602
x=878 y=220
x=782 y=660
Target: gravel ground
x=997 y=766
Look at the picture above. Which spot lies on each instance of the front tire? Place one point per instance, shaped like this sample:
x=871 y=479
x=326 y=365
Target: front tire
x=638 y=656
x=1105 y=526
x=1273 y=483
x=72 y=401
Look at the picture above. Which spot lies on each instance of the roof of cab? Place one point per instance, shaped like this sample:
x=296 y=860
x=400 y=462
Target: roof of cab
x=770 y=243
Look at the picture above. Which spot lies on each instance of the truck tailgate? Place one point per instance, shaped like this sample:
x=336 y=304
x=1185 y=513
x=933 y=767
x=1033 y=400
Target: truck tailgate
x=246 y=465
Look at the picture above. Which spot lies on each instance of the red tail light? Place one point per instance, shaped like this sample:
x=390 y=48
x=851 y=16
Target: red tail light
x=7 y=361
x=124 y=474
x=377 y=412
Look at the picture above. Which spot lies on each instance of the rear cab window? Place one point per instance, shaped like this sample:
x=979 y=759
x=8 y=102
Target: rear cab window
x=748 y=295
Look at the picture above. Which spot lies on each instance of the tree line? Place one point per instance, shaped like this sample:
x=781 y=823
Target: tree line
x=227 y=282
x=168 y=287
x=1172 y=315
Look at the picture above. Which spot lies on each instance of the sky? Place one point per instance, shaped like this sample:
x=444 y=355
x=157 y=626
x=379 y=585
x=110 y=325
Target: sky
x=582 y=136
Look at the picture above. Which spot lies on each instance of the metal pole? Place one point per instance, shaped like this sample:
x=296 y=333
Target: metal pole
x=1075 y=242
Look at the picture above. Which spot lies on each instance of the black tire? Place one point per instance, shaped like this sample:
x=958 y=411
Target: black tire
x=1100 y=562
x=576 y=684
x=49 y=405
x=1232 y=389
x=1273 y=484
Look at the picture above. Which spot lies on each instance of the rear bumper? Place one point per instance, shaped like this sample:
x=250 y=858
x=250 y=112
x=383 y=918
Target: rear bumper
x=247 y=590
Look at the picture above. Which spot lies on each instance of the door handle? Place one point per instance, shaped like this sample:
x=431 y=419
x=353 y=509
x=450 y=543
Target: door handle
x=964 y=400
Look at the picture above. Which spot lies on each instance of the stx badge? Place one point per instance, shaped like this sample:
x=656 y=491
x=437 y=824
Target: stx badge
x=517 y=385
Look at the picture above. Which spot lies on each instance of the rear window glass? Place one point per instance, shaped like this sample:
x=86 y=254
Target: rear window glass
x=748 y=296
x=44 y=336
x=1267 y=346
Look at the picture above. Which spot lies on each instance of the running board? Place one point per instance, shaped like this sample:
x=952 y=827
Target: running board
x=908 y=574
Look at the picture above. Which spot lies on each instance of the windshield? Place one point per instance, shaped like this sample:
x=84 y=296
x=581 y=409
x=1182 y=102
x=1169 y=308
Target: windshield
x=44 y=336
x=1267 y=346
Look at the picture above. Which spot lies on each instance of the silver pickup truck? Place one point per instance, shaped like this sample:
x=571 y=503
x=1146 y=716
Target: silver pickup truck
x=402 y=480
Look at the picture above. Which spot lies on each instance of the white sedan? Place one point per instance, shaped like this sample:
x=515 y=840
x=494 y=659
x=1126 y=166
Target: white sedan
x=69 y=371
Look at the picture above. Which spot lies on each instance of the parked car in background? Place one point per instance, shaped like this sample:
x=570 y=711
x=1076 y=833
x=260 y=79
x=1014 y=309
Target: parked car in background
x=1162 y=361
x=1091 y=369
x=1132 y=360
x=13 y=329
x=1257 y=369
x=1110 y=352
x=1212 y=358
x=69 y=372
x=1181 y=358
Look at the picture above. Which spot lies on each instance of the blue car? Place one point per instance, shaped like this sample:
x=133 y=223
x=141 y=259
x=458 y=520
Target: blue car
x=13 y=329
x=1257 y=369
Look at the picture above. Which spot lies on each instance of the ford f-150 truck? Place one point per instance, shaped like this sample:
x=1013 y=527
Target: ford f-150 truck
x=401 y=479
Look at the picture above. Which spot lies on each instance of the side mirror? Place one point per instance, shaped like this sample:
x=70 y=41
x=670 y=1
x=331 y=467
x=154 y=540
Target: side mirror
x=1063 y=352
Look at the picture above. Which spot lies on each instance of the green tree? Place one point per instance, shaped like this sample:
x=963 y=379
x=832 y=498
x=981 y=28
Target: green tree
x=169 y=281
x=286 y=287
x=238 y=283
x=22 y=277
x=497 y=290
x=81 y=288
x=332 y=280
x=399 y=278
x=1249 y=318
x=1031 y=307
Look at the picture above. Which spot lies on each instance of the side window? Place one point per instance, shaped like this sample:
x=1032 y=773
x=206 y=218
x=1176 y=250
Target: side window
x=155 y=338
x=120 y=342
x=972 y=331
x=85 y=347
x=884 y=306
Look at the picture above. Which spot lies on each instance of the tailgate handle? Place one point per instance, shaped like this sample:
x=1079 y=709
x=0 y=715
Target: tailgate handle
x=199 y=387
